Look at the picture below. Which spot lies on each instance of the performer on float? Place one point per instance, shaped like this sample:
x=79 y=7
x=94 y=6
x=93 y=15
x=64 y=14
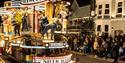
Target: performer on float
x=7 y=24
x=63 y=14
x=1 y=21
x=18 y=20
x=25 y=23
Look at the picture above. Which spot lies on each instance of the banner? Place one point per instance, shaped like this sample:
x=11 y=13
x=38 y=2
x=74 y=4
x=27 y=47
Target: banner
x=62 y=59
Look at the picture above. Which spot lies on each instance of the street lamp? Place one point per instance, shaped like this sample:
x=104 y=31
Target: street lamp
x=112 y=31
x=68 y=3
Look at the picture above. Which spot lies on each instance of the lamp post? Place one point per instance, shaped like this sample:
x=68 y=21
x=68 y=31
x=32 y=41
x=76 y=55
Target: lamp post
x=112 y=31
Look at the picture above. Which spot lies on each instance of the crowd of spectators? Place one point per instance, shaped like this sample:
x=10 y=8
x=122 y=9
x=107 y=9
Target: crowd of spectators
x=108 y=47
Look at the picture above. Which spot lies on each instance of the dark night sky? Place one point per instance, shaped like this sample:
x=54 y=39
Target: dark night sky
x=80 y=2
x=2 y=1
x=83 y=2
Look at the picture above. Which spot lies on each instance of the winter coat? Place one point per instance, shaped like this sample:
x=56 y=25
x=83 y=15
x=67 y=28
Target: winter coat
x=95 y=45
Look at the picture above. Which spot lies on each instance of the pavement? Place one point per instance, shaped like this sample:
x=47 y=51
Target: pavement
x=9 y=59
x=1 y=60
x=91 y=58
x=82 y=59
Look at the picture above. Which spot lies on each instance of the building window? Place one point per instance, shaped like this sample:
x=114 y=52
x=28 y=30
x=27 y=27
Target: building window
x=107 y=6
x=119 y=4
x=106 y=28
x=5 y=5
x=106 y=11
x=100 y=11
x=99 y=28
x=100 y=6
x=99 y=17
x=119 y=15
x=106 y=16
x=119 y=10
x=9 y=4
x=119 y=7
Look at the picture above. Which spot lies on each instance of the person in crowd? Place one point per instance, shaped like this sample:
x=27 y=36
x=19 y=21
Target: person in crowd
x=75 y=44
x=95 y=47
x=100 y=47
x=85 y=46
x=123 y=51
x=105 y=49
x=120 y=51
x=109 y=42
x=115 y=52
x=90 y=45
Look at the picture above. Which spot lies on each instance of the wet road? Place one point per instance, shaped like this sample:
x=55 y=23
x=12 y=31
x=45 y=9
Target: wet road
x=86 y=59
x=8 y=59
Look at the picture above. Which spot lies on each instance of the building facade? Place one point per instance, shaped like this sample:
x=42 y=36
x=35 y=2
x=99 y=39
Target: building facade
x=7 y=4
x=110 y=17
x=82 y=16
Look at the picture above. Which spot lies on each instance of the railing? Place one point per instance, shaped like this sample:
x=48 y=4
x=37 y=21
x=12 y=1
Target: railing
x=1 y=60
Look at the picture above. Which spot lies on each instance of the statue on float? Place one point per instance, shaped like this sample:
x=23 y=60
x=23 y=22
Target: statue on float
x=7 y=24
x=45 y=26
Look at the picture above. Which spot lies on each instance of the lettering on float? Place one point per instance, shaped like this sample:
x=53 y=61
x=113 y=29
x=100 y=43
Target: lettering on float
x=53 y=59
x=56 y=44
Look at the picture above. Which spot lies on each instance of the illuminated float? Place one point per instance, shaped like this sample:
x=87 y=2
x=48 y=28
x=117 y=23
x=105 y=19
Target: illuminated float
x=6 y=26
x=37 y=47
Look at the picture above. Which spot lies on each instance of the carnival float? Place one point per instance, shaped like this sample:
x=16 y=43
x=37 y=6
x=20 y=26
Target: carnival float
x=35 y=25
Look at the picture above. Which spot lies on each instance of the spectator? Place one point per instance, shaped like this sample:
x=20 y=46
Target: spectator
x=115 y=52
x=85 y=47
x=105 y=47
x=95 y=47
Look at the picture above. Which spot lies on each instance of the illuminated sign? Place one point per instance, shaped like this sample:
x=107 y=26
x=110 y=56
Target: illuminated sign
x=16 y=3
x=4 y=12
x=32 y=1
x=2 y=43
x=40 y=7
x=62 y=59
x=58 y=45
x=15 y=44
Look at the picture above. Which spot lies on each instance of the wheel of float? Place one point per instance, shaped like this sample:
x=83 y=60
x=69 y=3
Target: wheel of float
x=59 y=27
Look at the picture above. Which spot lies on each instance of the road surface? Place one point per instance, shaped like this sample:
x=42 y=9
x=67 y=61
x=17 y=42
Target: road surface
x=86 y=59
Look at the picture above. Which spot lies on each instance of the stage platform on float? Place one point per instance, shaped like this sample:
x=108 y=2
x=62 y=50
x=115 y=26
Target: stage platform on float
x=62 y=32
x=47 y=41
x=26 y=32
